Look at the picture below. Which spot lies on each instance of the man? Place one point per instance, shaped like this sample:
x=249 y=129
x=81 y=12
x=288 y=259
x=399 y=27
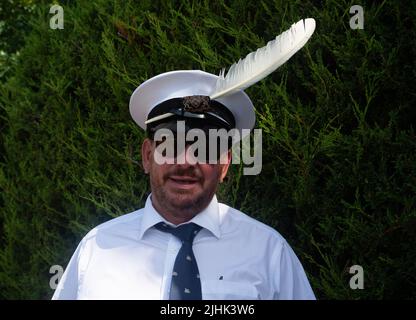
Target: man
x=184 y=244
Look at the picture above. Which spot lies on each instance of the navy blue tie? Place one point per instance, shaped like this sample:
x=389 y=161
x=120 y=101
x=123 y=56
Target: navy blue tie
x=186 y=284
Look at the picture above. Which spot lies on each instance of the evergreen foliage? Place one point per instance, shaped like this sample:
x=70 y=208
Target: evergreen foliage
x=339 y=148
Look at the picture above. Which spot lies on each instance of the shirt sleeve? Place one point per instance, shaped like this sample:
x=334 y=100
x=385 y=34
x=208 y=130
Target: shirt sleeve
x=291 y=282
x=67 y=288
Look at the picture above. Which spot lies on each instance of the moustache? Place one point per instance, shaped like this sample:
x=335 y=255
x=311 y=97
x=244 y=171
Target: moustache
x=189 y=172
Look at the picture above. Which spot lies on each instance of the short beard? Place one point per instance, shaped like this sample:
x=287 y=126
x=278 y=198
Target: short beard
x=180 y=209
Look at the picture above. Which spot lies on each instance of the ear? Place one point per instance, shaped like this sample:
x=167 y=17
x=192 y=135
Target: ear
x=147 y=154
x=224 y=167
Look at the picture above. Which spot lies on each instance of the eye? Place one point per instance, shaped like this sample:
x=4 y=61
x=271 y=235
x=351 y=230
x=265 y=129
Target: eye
x=169 y=144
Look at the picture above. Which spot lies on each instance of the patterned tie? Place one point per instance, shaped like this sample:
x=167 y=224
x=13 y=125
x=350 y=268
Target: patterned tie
x=186 y=284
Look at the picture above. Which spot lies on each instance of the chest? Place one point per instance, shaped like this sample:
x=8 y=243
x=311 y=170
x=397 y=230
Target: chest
x=228 y=270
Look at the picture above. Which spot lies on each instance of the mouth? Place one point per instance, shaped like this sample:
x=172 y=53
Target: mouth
x=183 y=182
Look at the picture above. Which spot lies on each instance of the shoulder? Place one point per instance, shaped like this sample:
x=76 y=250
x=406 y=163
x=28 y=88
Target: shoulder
x=234 y=220
x=127 y=225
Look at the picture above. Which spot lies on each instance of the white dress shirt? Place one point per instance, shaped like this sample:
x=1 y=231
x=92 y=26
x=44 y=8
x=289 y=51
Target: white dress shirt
x=238 y=258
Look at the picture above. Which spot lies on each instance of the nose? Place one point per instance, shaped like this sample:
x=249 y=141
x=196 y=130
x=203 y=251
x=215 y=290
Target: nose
x=186 y=156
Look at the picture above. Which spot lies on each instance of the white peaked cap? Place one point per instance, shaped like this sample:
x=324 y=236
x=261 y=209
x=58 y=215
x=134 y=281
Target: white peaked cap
x=226 y=89
x=182 y=83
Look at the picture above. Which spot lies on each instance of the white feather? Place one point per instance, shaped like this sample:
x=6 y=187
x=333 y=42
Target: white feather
x=259 y=64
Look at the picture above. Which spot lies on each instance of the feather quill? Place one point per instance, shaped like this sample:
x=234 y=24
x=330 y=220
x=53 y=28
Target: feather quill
x=259 y=64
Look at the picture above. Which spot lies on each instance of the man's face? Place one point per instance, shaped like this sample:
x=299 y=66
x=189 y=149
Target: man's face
x=180 y=191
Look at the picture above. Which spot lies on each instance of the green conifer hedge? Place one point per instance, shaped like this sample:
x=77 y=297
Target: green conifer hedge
x=339 y=147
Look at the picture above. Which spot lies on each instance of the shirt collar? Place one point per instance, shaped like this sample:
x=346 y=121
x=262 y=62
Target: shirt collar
x=207 y=218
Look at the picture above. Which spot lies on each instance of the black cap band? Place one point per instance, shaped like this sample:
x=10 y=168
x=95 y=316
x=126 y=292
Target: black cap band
x=199 y=109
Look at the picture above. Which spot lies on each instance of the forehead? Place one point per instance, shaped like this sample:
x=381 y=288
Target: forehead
x=184 y=126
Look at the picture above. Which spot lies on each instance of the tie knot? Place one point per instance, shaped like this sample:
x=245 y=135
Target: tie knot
x=185 y=232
